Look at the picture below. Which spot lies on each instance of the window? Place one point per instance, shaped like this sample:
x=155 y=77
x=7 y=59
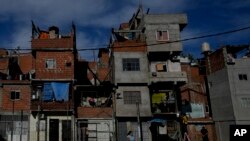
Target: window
x=131 y=97
x=245 y=102
x=131 y=64
x=50 y=64
x=242 y=76
x=162 y=36
x=15 y=95
x=161 y=67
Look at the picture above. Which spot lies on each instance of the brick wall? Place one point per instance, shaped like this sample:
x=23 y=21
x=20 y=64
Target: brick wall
x=52 y=43
x=194 y=90
x=61 y=71
x=217 y=61
x=129 y=46
x=89 y=112
x=21 y=104
x=25 y=63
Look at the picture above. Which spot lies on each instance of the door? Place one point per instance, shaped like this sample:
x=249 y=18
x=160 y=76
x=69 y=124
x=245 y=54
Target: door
x=53 y=130
x=66 y=130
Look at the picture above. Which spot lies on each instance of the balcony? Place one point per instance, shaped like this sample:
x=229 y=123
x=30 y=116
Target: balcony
x=94 y=112
x=168 y=77
x=164 y=102
x=51 y=106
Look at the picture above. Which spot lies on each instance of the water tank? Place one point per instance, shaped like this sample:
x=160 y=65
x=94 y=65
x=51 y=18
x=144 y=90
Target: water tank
x=205 y=47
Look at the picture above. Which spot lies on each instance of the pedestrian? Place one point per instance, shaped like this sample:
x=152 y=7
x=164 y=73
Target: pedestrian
x=204 y=133
x=130 y=136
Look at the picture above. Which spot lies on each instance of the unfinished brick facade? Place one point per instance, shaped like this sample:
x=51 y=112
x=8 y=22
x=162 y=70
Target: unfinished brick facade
x=64 y=65
x=195 y=92
x=22 y=103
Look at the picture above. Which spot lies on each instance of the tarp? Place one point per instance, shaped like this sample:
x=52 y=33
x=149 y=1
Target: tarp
x=158 y=122
x=47 y=92
x=61 y=91
x=158 y=98
x=56 y=91
x=197 y=110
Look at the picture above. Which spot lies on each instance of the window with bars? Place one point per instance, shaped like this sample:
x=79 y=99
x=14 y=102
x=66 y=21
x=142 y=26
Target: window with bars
x=131 y=97
x=50 y=64
x=15 y=95
x=162 y=35
x=131 y=64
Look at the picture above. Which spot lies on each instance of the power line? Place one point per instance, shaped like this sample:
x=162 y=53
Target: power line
x=154 y=44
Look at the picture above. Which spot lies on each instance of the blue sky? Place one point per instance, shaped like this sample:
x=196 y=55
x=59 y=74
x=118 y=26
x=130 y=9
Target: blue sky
x=95 y=18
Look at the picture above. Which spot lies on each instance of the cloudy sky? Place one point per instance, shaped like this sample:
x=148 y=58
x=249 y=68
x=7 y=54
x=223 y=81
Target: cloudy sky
x=95 y=18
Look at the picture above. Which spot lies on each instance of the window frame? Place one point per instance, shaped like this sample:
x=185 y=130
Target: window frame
x=242 y=77
x=16 y=97
x=50 y=66
x=161 y=37
x=132 y=97
x=131 y=64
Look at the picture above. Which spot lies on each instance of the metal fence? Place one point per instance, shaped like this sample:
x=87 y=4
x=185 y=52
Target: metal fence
x=13 y=128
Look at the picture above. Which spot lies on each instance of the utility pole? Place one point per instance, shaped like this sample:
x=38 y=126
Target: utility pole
x=21 y=125
x=140 y=137
x=114 y=116
x=13 y=109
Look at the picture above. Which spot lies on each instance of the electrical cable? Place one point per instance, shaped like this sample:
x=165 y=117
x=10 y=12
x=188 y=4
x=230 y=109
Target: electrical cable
x=154 y=44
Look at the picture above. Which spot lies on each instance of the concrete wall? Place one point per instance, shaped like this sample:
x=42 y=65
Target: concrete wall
x=130 y=76
x=220 y=96
x=167 y=22
x=165 y=18
x=240 y=88
x=173 y=32
x=130 y=110
x=222 y=130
